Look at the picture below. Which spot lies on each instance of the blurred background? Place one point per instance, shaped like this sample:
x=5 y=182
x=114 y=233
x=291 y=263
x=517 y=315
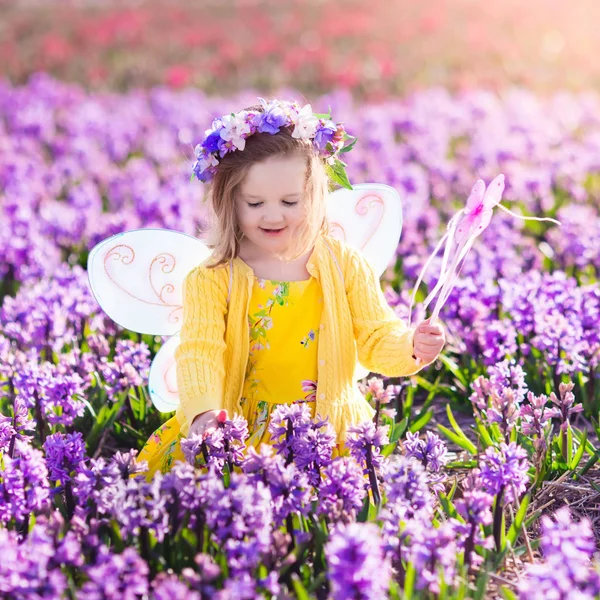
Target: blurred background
x=374 y=48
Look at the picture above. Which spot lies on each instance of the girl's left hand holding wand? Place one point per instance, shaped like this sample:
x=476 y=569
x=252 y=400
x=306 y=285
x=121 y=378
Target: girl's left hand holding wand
x=428 y=341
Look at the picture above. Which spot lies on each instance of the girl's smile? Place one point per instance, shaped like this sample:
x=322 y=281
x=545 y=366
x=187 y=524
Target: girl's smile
x=272 y=232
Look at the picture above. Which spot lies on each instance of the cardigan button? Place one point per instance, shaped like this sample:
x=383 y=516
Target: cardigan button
x=321 y=362
x=322 y=396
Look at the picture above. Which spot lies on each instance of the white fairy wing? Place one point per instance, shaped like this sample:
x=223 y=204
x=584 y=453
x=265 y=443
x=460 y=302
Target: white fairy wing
x=162 y=380
x=369 y=218
x=137 y=277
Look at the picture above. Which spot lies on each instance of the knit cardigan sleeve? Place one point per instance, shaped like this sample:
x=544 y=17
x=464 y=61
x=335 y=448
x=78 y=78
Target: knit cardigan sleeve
x=199 y=357
x=384 y=342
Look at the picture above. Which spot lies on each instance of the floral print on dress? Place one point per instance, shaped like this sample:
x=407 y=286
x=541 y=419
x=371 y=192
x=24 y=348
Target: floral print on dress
x=310 y=387
x=311 y=337
x=282 y=361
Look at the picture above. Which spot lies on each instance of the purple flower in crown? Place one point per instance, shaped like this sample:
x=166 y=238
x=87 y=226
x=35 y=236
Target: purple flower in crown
x=324 y=135
x=211 y=144
x=273 y=118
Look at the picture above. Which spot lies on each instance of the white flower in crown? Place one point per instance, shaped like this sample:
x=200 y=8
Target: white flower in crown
x=235 y=129
x=305 y=123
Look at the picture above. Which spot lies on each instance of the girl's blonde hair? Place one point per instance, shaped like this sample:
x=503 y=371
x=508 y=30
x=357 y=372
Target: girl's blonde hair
x=225 y=234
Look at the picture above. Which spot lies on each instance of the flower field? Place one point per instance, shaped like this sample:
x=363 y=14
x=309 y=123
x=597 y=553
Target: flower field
x=478 y=479
x=376 y=48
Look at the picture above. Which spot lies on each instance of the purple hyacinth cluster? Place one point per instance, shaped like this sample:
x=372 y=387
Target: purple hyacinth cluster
x=499 y=396
x=357 y=566
x=431 y=452
x=76 y=168
x=504 y=471
x=225 y=445
x=230 y=132
x=568 y=569
x=306 y=442
x=342 y=491
x=365 y=442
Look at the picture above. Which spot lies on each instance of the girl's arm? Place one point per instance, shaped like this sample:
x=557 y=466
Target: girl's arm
x=199 y=357
x=384 y=342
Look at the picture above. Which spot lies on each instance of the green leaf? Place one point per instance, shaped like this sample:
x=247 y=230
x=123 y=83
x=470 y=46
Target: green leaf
x=398 y=430
x=569 y=444
x=447 y=505
x=453 y=422
x=409 y=581
x=337 y=173
x=363 y=515
x=349 y=146
x=484 y=434
x=454 y=369
x=507 y=593
x=301 y=592
x=579 y=454
x=452 y=491
x=481 y=586
x=464 y=443
x=388 y=449
x=517 y=524
x=421 y=420
x=424 y=383
x=589 y=464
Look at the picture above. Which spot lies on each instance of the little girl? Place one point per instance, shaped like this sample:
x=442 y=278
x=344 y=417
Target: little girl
x=281 y=311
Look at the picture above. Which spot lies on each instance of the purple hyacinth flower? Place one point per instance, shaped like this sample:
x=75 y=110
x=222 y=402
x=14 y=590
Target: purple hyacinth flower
x=342 y=491
x=430 y=452
x=568 y=570
x=357 y=567
x=24 y=487
x=116 y=576
x=290 y=489
x=65 y=455
x=504 y=471
x=433 y=552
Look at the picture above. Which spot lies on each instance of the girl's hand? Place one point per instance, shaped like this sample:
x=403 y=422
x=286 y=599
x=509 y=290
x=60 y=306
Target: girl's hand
x=206 y=422
x=428 y=341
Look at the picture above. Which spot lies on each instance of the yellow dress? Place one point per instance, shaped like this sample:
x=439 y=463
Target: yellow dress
x=284 y=319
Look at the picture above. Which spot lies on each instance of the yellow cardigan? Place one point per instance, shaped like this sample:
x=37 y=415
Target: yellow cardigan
x=356 y=322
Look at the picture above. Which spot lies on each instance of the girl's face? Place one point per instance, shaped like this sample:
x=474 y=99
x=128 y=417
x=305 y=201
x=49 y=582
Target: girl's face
x=271 y=203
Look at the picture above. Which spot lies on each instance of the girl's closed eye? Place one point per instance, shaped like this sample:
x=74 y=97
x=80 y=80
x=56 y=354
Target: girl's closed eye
x=285 y=202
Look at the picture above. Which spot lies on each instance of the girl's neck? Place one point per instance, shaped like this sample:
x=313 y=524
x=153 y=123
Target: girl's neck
x=269 y=266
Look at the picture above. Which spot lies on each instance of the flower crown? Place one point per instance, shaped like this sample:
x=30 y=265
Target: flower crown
x=230 y=132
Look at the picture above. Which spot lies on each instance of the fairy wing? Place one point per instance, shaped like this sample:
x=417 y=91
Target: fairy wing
x=162 y=380
x=137 y=277
x=368 y=217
